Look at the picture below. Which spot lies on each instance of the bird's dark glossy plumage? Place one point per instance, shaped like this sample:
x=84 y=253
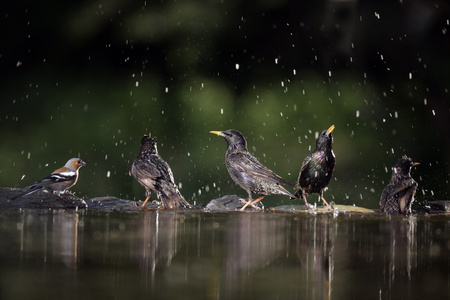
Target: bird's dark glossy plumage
x=247 y=171
x=398 y=196
x=317 y=168
x=153 y=173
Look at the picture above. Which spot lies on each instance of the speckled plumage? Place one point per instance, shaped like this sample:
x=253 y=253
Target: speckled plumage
x=317 y=168
x=247 y=171
x=153 y=173
x=398 y=196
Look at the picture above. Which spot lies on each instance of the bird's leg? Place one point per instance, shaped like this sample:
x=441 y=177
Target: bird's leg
x=257 y=200
x=247 y=204
x=146 y=199
x=323 y=199
x=57 y=193
x=250 y=200
x=306 y=202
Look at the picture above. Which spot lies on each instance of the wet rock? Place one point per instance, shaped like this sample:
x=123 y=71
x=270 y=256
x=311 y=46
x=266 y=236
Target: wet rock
x=438 y=206
x=40 y=199
x=230 y=203
x=45 y=200
x=109 y=204
x=335 y=209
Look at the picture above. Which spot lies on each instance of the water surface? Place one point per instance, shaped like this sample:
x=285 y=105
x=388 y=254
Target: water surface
x=200 y=255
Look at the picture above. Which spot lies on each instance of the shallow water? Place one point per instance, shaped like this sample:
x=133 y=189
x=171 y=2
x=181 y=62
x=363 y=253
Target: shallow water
x=201 y=255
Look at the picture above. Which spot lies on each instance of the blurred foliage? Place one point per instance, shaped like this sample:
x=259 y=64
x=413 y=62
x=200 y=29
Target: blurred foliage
x=90 y=78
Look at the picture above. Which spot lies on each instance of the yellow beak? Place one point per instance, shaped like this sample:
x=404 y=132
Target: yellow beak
x=216 y=132
x=330 y=130
x=415 y=164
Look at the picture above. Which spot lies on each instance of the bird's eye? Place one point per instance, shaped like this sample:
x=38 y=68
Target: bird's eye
x=396 y=196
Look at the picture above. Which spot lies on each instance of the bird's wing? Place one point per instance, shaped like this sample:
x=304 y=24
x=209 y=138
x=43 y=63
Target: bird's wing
x=306 y=162
x=152 y=171
x=246 y=163
x=56 y=178
x=143 y=169
x=302 y=170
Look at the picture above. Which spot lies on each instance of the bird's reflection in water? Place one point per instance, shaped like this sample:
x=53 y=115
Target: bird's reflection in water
x=278 y=256
x=314 y=237
x=252 y=242
x=53 y=236
x=65 y=238
x=156 y=240
x=263 y=255
x=400 y=257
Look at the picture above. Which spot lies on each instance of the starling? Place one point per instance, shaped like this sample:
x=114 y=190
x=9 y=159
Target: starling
x=317 y=168
x=247 y=171
x=398 y=195
x=153 y=173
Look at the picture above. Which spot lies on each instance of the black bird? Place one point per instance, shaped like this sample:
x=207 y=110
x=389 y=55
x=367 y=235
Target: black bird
x=317 y=168
x=153 y=173
x=247 y=171
x=398 y=196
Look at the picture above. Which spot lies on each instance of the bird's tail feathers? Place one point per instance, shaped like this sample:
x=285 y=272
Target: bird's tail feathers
x=297 y=194
x=171 y=198
x=31 y=190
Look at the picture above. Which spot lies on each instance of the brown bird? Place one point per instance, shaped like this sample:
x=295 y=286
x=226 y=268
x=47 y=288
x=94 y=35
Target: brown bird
x=398 y=196
x=247 y=171
x=153 y=173
x=57 y=182
x=317 y=168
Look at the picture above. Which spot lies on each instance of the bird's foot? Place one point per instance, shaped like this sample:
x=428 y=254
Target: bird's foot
x=252 y=203
x=249 y=202
x=324 y=201
x=330 y=206
x=310 y=206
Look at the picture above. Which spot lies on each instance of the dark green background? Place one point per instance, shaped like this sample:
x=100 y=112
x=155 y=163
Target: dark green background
x=89 y=78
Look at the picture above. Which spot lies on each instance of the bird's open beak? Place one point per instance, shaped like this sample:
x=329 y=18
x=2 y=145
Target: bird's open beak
x=415 y=164
x=216 y=132
x=330 y=130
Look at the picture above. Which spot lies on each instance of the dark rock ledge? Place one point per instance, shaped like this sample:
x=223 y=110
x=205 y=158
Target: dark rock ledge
x=44 y=200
